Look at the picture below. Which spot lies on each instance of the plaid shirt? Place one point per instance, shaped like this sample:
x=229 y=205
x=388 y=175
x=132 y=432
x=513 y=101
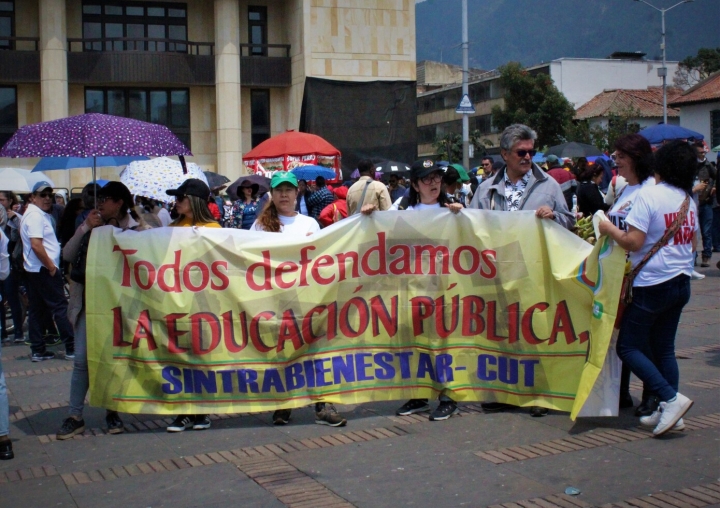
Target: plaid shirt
x=514 y=192
x=319 y=200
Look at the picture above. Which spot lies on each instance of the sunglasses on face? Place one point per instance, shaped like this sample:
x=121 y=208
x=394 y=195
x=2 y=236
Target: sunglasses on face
x=523 y=153
x=46 y=195
x=434 y=178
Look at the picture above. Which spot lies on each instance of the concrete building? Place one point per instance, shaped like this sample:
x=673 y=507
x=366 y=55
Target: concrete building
x=222 y=74
x=579 y=79
x=700 y=110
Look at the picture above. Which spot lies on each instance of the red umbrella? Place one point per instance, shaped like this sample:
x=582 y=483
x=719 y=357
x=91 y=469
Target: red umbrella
x=292 y=143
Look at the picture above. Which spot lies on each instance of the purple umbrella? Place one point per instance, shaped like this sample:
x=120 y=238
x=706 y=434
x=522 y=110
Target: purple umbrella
x=94 y=135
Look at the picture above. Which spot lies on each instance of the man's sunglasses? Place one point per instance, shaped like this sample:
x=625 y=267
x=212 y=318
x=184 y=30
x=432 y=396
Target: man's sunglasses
x=523 y=153
x=46 y=195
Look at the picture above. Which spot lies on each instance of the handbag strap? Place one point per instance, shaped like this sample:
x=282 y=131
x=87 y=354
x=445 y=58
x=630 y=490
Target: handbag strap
x=669 y=233
x=362 y=196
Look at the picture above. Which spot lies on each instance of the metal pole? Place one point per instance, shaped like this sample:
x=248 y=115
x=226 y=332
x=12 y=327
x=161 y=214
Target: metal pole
x=465 y=119
x=664 y=69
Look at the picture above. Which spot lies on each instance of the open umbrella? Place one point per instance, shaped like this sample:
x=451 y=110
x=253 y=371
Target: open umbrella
x=391 y=167
x=716 y=149
x=152 y=178
x=94 y=135
x=48 y=163
x=215 y=179
x=262 y=182
x=573 y=150
x=20 y=180
x=312 y=172
x=656 y=134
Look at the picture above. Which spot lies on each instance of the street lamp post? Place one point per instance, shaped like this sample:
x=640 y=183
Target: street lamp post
x=662 y=72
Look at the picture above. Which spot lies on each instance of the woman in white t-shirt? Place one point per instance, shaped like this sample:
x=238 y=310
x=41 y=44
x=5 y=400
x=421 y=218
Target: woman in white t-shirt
x=426 y=192
x=279 y=216
x=632 y=156
x=662 y=288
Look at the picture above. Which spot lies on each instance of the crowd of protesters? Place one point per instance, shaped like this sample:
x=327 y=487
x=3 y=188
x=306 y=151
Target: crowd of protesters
x=44 y=240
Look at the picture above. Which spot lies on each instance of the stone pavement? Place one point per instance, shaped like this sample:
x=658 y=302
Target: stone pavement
x=473 y=459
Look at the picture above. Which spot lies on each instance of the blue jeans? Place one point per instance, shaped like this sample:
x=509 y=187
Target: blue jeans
x=4 y=405
x=80 y=381
x=650 y=323
x=705 y=216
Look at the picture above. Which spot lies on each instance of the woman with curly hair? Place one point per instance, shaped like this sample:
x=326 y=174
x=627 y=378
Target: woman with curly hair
x=279 y=216
x=661 y=235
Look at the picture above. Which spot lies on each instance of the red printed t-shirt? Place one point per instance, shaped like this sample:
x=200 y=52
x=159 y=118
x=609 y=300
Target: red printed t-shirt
x=653 y=211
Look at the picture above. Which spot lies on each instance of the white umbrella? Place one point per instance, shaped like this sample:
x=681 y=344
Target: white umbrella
x=21 y=180
x=152 y=178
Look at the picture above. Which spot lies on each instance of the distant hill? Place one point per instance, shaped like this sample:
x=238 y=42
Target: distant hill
x=533 y=31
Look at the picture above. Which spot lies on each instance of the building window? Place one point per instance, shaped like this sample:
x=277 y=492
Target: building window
x=715 y=128
x=7 y=24
x=260 y=115
x=257 y=30
x=170 y=108
x=139 y=20
x=8 y=113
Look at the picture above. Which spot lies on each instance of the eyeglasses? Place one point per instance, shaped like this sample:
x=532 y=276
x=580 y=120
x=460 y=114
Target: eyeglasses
x=46 y=195
x=434 y=178
x=523 y=153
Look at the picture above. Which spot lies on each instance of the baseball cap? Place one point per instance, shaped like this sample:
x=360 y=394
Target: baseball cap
x=283 y=177
x=422 y=168
x=552 y=159
x=191 y=187
x=40 y=186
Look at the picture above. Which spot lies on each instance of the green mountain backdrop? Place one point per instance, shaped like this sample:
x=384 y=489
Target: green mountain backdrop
x=533 y=31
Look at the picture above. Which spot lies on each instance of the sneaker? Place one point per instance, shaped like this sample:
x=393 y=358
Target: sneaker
x=180 y=424
x=114 y=423
x=39 y=357
x=201 y=422
x=672 y=411
x=648 y=406
x=281 y=417
x=445 y=410
x=70 y=355
x=20 y=340
x=413 y=406
x=6 y=451
x=538 y=412
x=654 y=419
x=696 y=276
x=70 y=428
x=329 y=416
x=705 y=262
x=52 y=340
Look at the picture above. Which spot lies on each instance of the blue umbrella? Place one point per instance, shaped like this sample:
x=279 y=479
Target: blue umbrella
x=47 y=163
x=312 y=172
x=665 y=132
x=539 y=157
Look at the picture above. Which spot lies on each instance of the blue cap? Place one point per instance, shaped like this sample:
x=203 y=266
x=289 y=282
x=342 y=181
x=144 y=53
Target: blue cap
x=41 y=186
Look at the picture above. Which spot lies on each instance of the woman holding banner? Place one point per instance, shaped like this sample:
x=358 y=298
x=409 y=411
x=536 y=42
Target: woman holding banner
x=115 y=208
x=191 y=204
x=279 y=216
x=633 y=157
x=427 y=191
x=661 y=235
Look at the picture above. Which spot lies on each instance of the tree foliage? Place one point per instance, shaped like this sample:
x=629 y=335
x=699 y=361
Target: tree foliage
x=450 y=146
x=694 y=69
x=603 y=137
x=533 y=100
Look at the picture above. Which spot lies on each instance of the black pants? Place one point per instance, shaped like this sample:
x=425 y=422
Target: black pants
x=46 y=296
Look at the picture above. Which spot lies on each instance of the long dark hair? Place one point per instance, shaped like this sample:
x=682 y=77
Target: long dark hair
x=66 y=226
x=676 y=163
x=119 y=192
x=639 y=150
x=200 y=211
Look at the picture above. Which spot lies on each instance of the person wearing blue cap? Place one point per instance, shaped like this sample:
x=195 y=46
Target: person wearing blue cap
x=45 y=283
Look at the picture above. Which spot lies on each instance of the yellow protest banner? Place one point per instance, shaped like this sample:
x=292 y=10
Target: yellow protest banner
x=481 y=305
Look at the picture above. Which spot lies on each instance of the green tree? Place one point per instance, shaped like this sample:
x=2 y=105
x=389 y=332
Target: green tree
x=533 y=100
x=694 y=69
x=449 y=147
x=618 y=124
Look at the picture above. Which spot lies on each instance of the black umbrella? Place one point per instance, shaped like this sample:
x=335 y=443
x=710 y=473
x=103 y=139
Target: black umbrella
x=262 y=182
x=392 y=168
x=573 y=150
x=215 y=180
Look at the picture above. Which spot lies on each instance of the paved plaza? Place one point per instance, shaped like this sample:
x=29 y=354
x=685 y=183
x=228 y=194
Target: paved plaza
x=378 y=459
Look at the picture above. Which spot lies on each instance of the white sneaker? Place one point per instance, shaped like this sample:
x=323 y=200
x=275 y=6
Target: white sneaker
x=672 y=411
x=697 y=276
x=654 y=419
